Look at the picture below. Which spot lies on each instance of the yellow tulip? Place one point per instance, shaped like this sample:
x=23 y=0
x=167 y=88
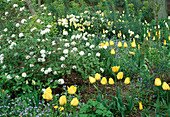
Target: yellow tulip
x=101 y=44
x=169 y=38
x=138 y=46
x=140 y=106
x=165 y=86
x=111 y=43
x=120 y=75
x=127 y=80
x=104 y=81
x=115 y=69
x=2 y=90
x=132 y=53
x=125 y=45
x=97 y=76
x=164 y=42
x=149 y=34
x=133 y=44
x=112 y=51
x=63 y=100
x=111 y=81
x=72 y=89
x=154 y=38
x=74 y=102
x=48 y=90
x=119 y=44
x=61 y=108
x=107 y=44
x=55 y=107
x=157 y=82
x=103 y=31
x=47 y=96
x=92 y=80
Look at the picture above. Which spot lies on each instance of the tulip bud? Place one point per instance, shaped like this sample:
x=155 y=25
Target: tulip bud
x=111 y=81
x=140 y=106
x=165 y=86
x=112 y=51
x=92 y=80
x=111 y=43
x=120 y=75
x=157 y=82
x=72 y=89
x=74 y=102
x=125 y=45
x=127 y=80
x=115 y=69
x=164 y=42
x=26 y=81
x=104 y=81
x=63 y=100
x=97 y=76
x=119 y=44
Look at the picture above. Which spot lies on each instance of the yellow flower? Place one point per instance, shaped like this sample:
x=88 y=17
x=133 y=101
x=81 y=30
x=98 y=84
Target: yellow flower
x=107 y=44
x=72 y=89
x=164 y=42
x=120 y=75
x=140 y=106
x=92 y=80
x=47 y=96
x=119 y=44
x=74 y=102
x=158 y=82
x=48 y=90
x=61 y=108
x=104 y=81
x=125 y=45
x=115 y=69
x=2 y=90
x=154 y=38
x=169 y=37
x=138 y=46
x=63 y=100
x=127 y=80
x=101 y=44
x=165 y=86
x=103 y=31
x=111 y=43
x=26 y=81
x=112 y=51
x=149 y=34
x=111 y=81
x=97 y=76
x=133 y=44
x=55 y=107
x=132 y=53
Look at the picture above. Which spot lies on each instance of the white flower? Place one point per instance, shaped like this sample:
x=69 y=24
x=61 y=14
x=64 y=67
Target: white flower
x=38 y=20
x=81 y=53
x=98 y=54
x=61 y=81
x=65 y=51
x=6 y=13
x=49 y=13
x=65 y=33
x=45 y=8
x=49 y=26
x=92 y=46
x=49 y=69
x=73 y=43
x=33 y=29
x=55 y=72
x=66 y=44
x=137 y=36
x=4 y=66
x=15 y=5
x=42 y=69
x=27 y=57
x=74 y=49
x=93 y=35
x=22 y=8
x=17 y=25
x=21 y=34
x=46 y=72
x=62 y=65
x=24 y=75
x=23 y=21
x=43 y=55
x=9 y=77
x=74 y=67
x=43 y=90
x=73 y=36
x=8 y=0
x=29 y=17
x=58 y=48
x=42 y=51
x=62 y=58
x=89 y=54
x=17 y=76
x=13 y=35
x=5 y=30
x=31 y=65
x=105 y=46
x=102 y=70
x=87 y=43
x=113 y=32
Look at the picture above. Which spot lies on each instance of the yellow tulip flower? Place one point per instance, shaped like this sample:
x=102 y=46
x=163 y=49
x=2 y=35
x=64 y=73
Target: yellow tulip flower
x=104 y=81
x=61 y=108
x=97 y=76
x=157 y=82
x=133 y=44
x=107 y=44
x=111 y=43
x=165 y=86
x=48 y=90
x=140 y=106
x=47 y=96
x=115 y=69
x=132 y=53
x=119 y=44
x=74 y=102
x=112 y=51
x=120 y=75
x=164 y=42
x=55 y=107
x=3 y=90
x=154 y=38
x=92 y=80
x=111 y=81
x=127 y=80
x=72 y=89
x=125 y=45
x=63 y=100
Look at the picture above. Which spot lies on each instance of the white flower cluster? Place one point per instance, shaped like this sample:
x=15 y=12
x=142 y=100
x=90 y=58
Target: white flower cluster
x=12 y=44
x=1 y=58
x=47 y=30
x=42 y=52
x=46 y=71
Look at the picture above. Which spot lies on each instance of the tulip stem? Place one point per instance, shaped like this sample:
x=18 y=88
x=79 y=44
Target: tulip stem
x=105 y=91
x=167 y=98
